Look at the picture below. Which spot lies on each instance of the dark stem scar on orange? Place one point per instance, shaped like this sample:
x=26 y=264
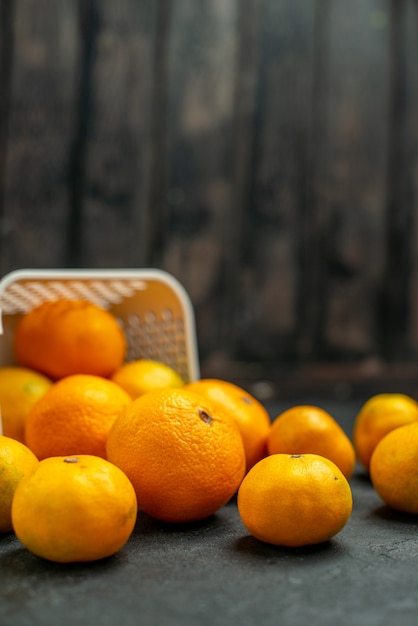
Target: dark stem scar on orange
x=205 y=416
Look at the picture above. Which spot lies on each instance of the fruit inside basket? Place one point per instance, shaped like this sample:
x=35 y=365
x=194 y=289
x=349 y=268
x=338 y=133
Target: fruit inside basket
x=152 y=307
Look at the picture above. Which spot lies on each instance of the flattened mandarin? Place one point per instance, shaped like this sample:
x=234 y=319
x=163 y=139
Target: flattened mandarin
x=74 y=509
x=394 y=468
x=143 y=375
x=379 y=416
x=294 y=500
x=309 y=429
x=20 y=389
x=16 y=462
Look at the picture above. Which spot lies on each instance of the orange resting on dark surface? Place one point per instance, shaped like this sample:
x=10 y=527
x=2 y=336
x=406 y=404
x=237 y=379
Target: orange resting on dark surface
x=184 y=457
x=294 y=500
x=394 y=468
x=379 y=416
x=74 y=509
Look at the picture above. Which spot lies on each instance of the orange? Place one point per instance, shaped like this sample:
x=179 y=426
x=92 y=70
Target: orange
x=249 y=414
x=184 y=457
x=66 y=337
x=309 y=429
x=294 y=500
x=16 y=461
x=72 y=509
x=20 y=388
x=377 y=417
x=394 y=469
x=74 y=416
x=143 y=375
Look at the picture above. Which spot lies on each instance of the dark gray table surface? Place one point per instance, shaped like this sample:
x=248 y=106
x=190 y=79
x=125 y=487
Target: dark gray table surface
x=214 y=572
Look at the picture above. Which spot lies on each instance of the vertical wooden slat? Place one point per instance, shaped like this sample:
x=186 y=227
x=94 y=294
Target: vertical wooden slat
x=395 y=311
x=409 y=163
x=88 y=27
x=244 y=129
x=35 y=200
x=119 y=133
x=198 y=193
x=313 y=208
x=268 y=320
x=6 y=49
x=154 y=224
x=353 y=181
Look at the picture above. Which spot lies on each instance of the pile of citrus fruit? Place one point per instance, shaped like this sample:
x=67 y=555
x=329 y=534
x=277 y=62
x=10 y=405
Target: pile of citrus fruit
x=88 y=439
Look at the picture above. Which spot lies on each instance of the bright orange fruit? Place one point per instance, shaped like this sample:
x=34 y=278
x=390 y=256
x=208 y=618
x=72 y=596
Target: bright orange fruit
x=74 y=416
x=71 y=509
x=378 y=416
x=67 y=337
x=16 y=461
x=251 y=417
x=394 y=469
x=294 y=500
x=309 y=429
x=20 y=389
x=143 y=375
x=184 y=457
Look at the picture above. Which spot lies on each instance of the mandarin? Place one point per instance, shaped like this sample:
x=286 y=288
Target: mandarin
x=394 y=470
x=143 y=375
x=20 y=389
x=309 y=429
x=16 y=462
x=251 y=417
x=66 y=337
x=72 y=509
x=378 y=416
x=74 y=416
x=183 y=455
x=294 y=500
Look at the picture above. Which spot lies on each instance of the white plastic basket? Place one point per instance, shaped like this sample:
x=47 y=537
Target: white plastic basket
x=152 y=307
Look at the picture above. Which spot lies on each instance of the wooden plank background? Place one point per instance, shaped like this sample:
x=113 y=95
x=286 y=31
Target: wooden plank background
x=264 y=152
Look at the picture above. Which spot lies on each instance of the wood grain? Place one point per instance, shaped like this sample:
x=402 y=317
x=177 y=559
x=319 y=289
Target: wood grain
x=261 y=151
x=40 y=127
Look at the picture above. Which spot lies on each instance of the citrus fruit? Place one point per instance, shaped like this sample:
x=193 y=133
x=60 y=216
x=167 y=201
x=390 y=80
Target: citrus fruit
x=294 y=500
x=377 y=417
x=251 y=417
x=16 y=461
x=66 y=337
x=394 y=470
x=309 y=429
x=142 y=375
x=20 y=388
x=74 y=416
x=184 y=457
x=71 y=509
